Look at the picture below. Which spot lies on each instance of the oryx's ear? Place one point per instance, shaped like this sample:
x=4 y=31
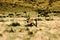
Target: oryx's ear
x=35 y=19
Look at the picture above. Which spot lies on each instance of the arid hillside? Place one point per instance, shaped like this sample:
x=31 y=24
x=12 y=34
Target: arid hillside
x=25 y=5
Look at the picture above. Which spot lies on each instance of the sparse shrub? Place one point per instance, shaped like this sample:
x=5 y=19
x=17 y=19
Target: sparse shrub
x=0 y=4
x=20 y=30
x=30 y=33
x=40 y=29
x=47 y=19
x=0 y=16
x=4 y=16
x=24 y=11
x=11 y=4
x=18 y=15
x=32 y=0
x=2 y=20
x=39 y=15
x=14 y=5
x=11 y=30
x=11 y=15
x=15 y=24
x=39 y=19
x=27 y=29
x=1 y=34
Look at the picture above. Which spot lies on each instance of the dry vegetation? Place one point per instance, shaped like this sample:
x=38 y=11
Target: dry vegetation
x=15 y=29
x=13 y=20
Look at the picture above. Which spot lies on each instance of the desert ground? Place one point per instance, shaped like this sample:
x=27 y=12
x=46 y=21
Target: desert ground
x=45 y=30
x=15 y=13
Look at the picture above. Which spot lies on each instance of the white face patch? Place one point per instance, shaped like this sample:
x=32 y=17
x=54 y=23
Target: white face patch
x=34 y=22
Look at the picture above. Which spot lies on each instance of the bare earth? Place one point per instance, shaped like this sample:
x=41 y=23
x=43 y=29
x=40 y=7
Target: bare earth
x=46 y=30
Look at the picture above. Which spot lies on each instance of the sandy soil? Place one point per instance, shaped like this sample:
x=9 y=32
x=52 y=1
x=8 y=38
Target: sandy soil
x=46 y=30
